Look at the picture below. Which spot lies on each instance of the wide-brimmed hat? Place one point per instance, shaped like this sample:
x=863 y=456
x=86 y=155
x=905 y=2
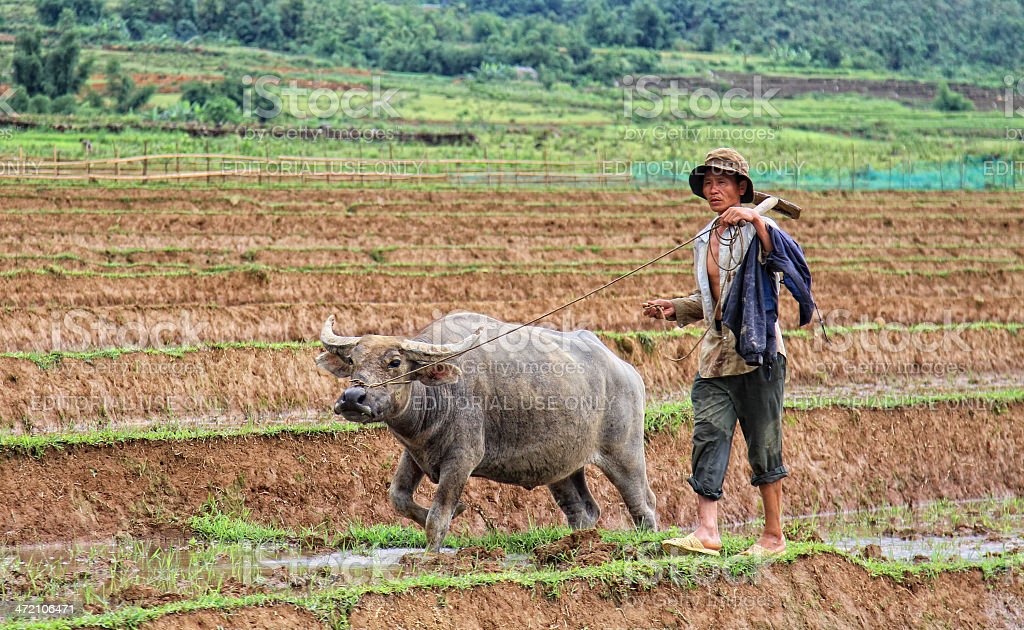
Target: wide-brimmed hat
x=723 y=160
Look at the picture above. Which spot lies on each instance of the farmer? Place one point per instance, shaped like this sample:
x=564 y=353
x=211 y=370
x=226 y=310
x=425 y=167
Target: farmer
x=731 y=386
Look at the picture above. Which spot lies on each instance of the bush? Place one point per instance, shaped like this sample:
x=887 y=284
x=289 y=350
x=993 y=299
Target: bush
x=946 y=100
x=19 y=101
x=39 y=104
x=196 y=92
x=93 y=99
x=84 y=10
x=490 y=71
x=65 y=104
x=706 y=36
x=220 y=110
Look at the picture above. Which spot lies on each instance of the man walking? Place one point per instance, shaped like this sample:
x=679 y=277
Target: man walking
x=731 y=386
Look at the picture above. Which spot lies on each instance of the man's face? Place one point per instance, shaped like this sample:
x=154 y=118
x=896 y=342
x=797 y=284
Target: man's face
x=723 y=190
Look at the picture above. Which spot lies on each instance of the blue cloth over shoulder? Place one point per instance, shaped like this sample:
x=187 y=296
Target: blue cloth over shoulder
x=751 y=308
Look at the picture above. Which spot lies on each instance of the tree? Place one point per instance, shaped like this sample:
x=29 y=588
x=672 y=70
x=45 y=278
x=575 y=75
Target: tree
x=293 y=17
x=578 y=49
x=211 y=15
x=650 y=23
x=185 y=29
x=64 y=73
x=603 y=26
x=707 y=32
x=826 y=51
x=122 y=91
x=255 y=22
x=85 y=10
x=27 y=65
x=55 y=73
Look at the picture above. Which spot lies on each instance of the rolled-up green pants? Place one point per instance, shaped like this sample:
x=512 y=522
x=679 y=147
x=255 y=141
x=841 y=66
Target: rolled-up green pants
x=755 y=400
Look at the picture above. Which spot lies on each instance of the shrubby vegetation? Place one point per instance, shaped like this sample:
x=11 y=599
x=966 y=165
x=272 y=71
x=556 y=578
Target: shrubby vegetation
x=946 y=100
x=557 y=38
x=581 y=42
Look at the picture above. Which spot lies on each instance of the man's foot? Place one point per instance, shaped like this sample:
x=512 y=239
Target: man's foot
x=689 y=544
x=708 y=537
x=766 y=547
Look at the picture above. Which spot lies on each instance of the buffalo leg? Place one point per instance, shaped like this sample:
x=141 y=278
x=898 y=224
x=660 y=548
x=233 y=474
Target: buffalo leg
x=629 y=476
x=446 y=502
x=574 y=499
x=407 y=478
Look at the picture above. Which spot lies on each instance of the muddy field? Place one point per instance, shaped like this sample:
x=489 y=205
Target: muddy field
x=253 y=382
x=813 y=592
x=193 y=315
x=840 y=459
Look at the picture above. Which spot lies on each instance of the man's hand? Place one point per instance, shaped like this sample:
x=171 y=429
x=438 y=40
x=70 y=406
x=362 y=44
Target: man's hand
x=738 y=214
x=659 y=309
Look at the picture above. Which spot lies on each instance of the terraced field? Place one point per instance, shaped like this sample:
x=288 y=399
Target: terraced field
x=166 y=433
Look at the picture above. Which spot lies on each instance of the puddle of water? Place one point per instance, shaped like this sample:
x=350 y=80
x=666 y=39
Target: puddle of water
x=117 y=573
x=933 y=547
x=175 y=558
x=948 y=530
x=112 y=573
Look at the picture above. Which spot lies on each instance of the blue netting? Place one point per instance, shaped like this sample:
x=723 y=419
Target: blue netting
x=971 y=173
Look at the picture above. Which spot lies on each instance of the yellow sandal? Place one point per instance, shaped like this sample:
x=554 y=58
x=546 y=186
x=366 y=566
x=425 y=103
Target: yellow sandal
x=688 y=544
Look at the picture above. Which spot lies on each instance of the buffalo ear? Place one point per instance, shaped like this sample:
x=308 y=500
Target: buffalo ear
x=330 y=362
x=439 y=374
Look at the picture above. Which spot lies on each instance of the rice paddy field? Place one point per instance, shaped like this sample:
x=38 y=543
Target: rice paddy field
x=170 y=460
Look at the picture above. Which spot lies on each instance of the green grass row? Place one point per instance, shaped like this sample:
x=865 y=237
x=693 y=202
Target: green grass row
x=513 y=121
x=334 y=606
x=669 y=417
x=647 y=339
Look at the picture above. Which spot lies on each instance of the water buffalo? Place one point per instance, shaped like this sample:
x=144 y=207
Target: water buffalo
x=531 y=409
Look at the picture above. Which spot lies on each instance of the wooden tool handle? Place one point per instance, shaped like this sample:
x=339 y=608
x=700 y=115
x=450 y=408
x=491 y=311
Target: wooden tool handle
x=784 y=207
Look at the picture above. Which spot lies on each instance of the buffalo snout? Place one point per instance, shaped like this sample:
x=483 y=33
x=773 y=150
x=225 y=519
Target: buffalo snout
x=353 y=400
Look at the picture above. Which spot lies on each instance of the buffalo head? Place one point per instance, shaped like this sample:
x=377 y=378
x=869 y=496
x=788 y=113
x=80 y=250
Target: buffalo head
x=372 y=359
